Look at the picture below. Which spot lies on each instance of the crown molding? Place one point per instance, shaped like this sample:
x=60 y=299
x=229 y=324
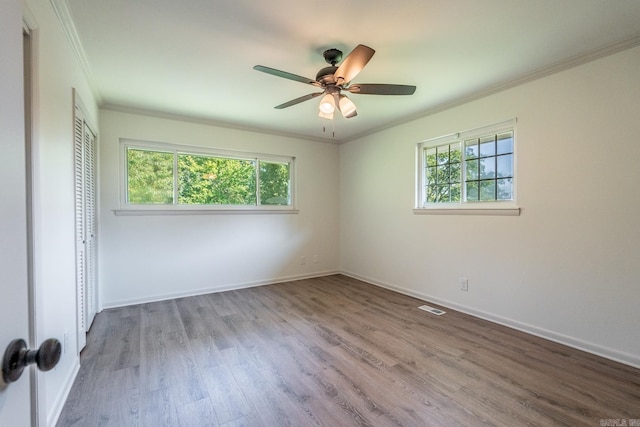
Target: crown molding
x=63 y=12
x=575 y=61
x=119 y=108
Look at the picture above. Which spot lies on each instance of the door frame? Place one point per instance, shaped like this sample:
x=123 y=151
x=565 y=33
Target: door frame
x=32 y=151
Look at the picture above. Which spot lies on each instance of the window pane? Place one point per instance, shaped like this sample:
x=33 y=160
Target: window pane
x=487 y=146
x=431 y=175
x=505 y=143
x=442 y=154
x=488 y=168
x=472 y=169
x=471 y=150
x=505 y=166
x=274 y=183
x=432 y=193
x=472 y=191
x=430 y=157
x=215 y=181
x=488 y=190
x=454 y=153
x=443 y=193
x=505 y=189
x=455 y=172
x=456 y=191
x=149 y=177
x=443 y=174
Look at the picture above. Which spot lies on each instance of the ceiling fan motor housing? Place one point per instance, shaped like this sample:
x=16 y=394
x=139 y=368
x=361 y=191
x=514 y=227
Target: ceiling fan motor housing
x=325 y=75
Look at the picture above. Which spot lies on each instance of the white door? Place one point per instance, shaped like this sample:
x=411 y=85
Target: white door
x=15 y=400
x=85 y=221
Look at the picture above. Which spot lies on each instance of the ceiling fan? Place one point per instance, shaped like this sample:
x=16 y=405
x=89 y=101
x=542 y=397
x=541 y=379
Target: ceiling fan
x=335 y=79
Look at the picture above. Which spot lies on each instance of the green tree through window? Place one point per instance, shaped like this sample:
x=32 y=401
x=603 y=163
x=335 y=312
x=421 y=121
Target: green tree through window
x=274 y=183
x=206 y=179
x=469 y=167
x=149 y=177
x=215 y=181
x=443 y=173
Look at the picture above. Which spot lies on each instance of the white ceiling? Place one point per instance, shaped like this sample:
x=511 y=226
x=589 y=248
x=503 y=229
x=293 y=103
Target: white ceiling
x=194 y=58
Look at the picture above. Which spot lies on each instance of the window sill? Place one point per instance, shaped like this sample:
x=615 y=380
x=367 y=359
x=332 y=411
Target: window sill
x=469 y=210
x=203 y=211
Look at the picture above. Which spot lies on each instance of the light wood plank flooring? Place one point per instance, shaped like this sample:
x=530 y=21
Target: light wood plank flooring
x=332 y=351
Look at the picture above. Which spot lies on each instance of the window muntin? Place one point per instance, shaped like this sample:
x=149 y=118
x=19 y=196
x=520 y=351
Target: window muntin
x=161 y=176
x=469 y=168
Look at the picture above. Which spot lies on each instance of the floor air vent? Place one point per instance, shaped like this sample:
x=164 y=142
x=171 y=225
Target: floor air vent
x=432 y=310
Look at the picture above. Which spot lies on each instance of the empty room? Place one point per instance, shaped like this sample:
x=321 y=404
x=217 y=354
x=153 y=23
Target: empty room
x=234 y=213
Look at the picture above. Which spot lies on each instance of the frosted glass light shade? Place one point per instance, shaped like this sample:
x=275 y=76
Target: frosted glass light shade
x=325 y=115
x=327 y=104
x=347 y=107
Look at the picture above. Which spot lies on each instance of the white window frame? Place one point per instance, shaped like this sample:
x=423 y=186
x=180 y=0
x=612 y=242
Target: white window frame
x=496 y=207
x=127 y=208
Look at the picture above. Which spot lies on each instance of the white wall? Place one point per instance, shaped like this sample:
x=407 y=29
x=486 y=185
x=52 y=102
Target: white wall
x=568 y=267
x=144 y=258
x=58 y=73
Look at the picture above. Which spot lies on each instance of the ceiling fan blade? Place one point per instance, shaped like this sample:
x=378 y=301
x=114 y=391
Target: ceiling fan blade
x=285 y=75
x=298 y=100
x=353 y=63
x=381 y=89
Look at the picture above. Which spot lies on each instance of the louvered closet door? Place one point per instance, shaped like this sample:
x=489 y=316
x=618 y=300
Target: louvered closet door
x=90 y=222
x=85 y=219
x=80 y=228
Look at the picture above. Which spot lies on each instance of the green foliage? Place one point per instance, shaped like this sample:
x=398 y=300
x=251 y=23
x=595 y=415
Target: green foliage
x=443 y=174
x=488 y=166
x=215 y=181
x=150 y=177
x=204 y=180
x=274 y=183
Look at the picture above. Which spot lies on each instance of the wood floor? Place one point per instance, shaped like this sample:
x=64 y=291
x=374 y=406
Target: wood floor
x=333 y=351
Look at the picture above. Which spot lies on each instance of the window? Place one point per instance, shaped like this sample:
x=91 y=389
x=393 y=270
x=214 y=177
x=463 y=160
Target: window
x=468 y=169
x=489 y=167
x=163 y=176
x=442 y=173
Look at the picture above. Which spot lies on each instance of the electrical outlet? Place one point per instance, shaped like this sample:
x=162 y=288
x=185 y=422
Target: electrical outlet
x=315 y=259
x=303 y=260
x=464 y=283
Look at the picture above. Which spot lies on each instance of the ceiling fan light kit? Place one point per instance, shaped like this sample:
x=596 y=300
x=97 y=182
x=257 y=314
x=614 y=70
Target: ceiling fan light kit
x=334 y=79
x=327 y=104
x=347 y=107
x=328 y=116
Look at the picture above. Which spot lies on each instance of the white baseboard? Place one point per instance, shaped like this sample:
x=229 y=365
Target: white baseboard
x=223 y=288
x=598 y=350
x=58 y=404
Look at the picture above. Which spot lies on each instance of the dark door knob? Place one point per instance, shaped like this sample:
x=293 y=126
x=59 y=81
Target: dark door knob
x=18 y=356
